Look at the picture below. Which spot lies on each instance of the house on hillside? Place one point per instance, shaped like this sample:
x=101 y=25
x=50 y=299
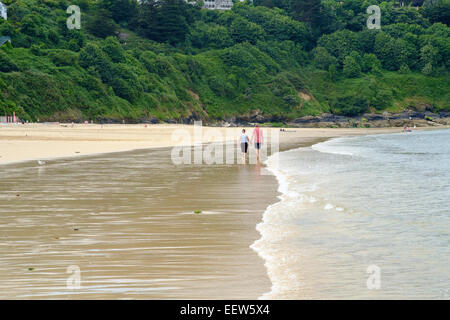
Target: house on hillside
x=218 y=4
x=3 y=11
x=4 y=40
x=404 y=3
x=215 y=4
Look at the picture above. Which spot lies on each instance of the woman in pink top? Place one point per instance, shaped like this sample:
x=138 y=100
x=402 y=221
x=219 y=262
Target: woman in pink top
x=257 y=137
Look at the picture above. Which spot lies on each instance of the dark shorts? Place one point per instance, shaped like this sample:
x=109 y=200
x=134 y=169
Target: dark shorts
x=244 y=147
x=258 y=145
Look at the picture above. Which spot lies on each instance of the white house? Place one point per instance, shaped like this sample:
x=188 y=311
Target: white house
x=215 y=4
x=218 y=4
x=3 y=11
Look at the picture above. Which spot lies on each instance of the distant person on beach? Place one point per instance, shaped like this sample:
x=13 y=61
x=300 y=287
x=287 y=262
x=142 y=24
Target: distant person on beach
x=244 y=144
x=257 y=139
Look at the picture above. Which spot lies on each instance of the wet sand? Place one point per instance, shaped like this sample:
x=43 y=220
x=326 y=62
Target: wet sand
x=127 y=221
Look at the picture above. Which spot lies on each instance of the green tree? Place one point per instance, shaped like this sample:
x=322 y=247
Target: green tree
x=314 y=13
x=242 y=30
x=306 y=10
x=427 y=69
x=101 y=24
x=393 y=52
x=93 y=56
x=437 y=11
x=404 y=69
x=322 y=59
x=355 y=55
x=121 y=10
x=350 y=104
x=113 y=49
x=210 y=36
x=165 y=20
x=147 y=18
x=171 y=22
x=6 y=64
x=63 y=57
x=31 y=25
x=428 y=55
x=332 y=72
x=369 y=62
x=340 y=43
x=351 y=67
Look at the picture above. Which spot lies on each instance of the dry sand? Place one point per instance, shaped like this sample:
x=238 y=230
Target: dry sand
x=46 y=141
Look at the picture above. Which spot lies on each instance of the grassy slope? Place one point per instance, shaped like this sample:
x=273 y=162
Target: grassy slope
x=412 y=90
x=211 y=85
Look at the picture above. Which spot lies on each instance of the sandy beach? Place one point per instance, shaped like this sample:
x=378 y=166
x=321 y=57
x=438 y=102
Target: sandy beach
x=126 y=219
x=48 y=141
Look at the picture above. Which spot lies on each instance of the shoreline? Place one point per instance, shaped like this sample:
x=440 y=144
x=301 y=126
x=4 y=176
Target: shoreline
x=265 y=252
x=219 y=264
x=254 y=245
x=32 y=142
x=279 y=194
x=289 y=147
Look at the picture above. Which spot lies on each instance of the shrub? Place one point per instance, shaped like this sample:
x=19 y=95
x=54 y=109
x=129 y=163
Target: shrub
x=292 y=100
x=369 y=62
x=351 y=67
x=350 y=105
x=382 y=99
x=211 y=36
x=340 y=43
x=404 y=69
x=123 y=90
x=322 y=59
x=63 y=57
x=242 y=30
x=428 y=55
x=101 y=24
x=6 y=64
x=332 y=72
x=113 y=49
x=93 y=56
x=220 y=87
x=427 y=69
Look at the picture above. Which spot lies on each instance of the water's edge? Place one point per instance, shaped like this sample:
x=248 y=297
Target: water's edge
x=280 y=192
x=279 y=196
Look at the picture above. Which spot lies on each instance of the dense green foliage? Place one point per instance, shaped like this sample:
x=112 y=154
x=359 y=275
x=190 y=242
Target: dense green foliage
x=177 y=62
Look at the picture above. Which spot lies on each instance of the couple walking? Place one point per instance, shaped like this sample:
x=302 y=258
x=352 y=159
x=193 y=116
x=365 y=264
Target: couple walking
x=257 y=139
